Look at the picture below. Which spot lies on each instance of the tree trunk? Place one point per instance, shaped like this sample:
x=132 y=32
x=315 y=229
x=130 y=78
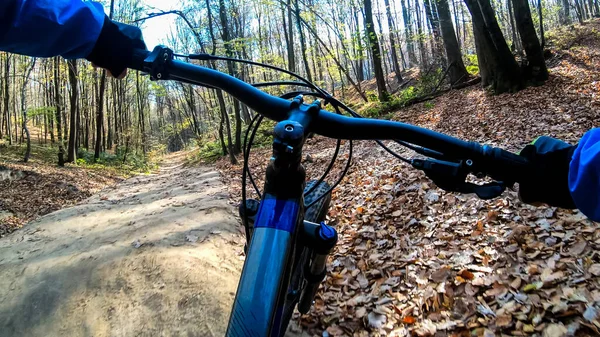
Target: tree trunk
x=302 y=42
x=516 y=45
x=219 y=93
x=24 y=111
x=7 y=97
x=290 y=36
x=141 y=119
x=458 y=73
x=360 y=62
x=225 y=120
x=420 y=34
x=61 y=150
x=497 y=65
x=237 y=147
x=100 y=102
x=72 y=149
x=391 y=27
x=375 y=53
x=565 y=10
x=536 y=64
x=578 y=11
x=412 y=57
x=434 y=21
x=100 y=115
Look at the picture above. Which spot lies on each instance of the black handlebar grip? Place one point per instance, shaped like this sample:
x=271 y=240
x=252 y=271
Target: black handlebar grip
x=505 y=165
x=137 y=59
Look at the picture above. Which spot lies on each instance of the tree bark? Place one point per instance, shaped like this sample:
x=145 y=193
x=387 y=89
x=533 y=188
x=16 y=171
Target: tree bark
x=302 y=42
x=434 y=21
x=391 y=27
x=412 y=57
x=536 y=64
x=497 y=65
x=7 y=97
x=375 y=53
x=565 y=10
x=61 y=150
x=237 y=147
x=100 y=115
x=578 y=11
x=24 y=111
x=290 y=36
x=73 y=126
x=458 y=73
x=420 y=34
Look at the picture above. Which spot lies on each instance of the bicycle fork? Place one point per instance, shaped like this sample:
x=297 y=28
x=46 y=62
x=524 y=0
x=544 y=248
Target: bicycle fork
x=319 y=239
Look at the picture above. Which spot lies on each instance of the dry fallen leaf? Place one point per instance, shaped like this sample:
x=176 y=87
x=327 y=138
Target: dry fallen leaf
x=555 y=330
x=595 y=269
x=426 y=329
x=467 y=275
x=591 y=314
x=440 y=275
x=360 y=312
x=577 y=248
x=376 y=320
x=408 y=320
x=504 y=321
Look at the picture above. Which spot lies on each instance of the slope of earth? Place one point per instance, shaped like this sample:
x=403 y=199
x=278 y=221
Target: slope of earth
x=413 y=259
x=157 y=255
x=31 y=190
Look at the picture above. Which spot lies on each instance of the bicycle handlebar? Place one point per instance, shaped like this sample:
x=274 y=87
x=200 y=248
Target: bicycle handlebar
x=497 y=163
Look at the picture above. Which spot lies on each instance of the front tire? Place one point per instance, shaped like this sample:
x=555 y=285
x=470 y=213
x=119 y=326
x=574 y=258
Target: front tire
x=316 y=213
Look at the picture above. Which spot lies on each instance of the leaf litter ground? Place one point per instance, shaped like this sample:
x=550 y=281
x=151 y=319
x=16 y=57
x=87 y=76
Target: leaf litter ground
x=415 y=260
x=28 y=191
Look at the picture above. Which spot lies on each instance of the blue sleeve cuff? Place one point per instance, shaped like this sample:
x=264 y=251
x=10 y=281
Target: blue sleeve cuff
x=46 y=28
x=584 y=175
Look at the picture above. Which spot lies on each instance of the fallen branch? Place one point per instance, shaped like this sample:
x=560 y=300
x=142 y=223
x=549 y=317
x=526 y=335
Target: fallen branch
x=436 y=94
x=468 y=83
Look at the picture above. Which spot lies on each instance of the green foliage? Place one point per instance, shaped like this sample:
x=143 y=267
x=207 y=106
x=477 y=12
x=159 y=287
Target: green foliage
x=129 y=163
x=428 y=105
x=407 y=94
x=41 y=111
x=372 y=96
x=209 y=150
x=473 y=70
x=472 y=64
x=45 y=154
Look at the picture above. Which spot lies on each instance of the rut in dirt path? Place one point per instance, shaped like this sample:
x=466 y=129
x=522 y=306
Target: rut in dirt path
x=155 y=255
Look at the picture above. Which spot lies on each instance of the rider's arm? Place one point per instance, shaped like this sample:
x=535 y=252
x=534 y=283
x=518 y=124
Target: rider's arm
x=45 y=28
x=584 y=175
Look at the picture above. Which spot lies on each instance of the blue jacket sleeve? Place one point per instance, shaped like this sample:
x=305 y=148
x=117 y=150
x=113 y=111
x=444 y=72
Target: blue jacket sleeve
x=584 y=175
x=45 y=28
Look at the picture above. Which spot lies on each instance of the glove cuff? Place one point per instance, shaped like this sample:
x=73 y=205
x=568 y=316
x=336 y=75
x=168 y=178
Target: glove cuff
x=114 y=48
x=548 y=180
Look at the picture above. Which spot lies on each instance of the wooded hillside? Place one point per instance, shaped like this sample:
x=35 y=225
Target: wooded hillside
x=336 y=44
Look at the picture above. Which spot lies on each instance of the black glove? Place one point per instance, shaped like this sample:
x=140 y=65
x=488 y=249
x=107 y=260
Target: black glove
x=548 y=178
x=114 y=49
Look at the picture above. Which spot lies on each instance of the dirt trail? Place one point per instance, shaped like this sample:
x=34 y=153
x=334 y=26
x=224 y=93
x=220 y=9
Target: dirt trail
x=156 y=255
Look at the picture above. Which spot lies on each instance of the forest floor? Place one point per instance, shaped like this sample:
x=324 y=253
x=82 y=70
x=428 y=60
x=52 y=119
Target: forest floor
x=413 y=259
x=154 y=255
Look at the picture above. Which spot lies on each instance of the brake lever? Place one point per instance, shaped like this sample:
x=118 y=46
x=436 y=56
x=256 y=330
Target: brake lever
x=450 y=176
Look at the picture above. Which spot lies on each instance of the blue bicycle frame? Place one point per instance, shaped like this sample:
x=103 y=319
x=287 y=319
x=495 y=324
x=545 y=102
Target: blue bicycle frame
x=260 y=299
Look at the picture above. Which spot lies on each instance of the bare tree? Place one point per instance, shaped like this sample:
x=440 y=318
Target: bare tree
x=74 y=119
x=375 y=52
x=24 y=110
